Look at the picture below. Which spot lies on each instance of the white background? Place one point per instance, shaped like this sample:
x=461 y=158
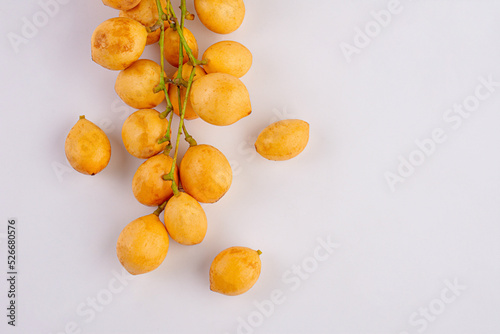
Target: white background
x=397 y=248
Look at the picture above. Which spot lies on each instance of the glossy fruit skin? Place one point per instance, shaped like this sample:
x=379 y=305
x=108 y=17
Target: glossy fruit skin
x=220 y=99
x=118 y=42
x=148 y=185
x=235 y=270
x=121 y=4
x=185 y=220
x=227 y=57
x=135 y=84
x=283 y=140
x=141 y=132
x=87 y=147
x=147 y=14
x=205 y=173
x=220 y=16
x=172 y=90
x=171 y=48
x=142 y=245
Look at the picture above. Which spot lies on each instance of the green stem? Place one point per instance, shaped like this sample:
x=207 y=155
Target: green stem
x=160 y=209
x=166 y=137
x=164 y=114
x=182 y=127
x=182 y=104
x=168 y=148
x=182 y=112
x=188 y=137
x=161 y=42
x=171 y=12
x=183 y=11
x=180 y=31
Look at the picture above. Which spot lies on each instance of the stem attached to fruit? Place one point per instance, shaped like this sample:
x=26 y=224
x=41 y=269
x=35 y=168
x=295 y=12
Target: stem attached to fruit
x=188 y=137
x=180 y=30
x=160 y=209
x=179 y=82
x=182 y=112
x=168 y=148
x=162 y=85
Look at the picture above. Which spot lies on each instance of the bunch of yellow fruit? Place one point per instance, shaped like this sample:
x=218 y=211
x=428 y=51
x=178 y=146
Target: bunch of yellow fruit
x=210 y=89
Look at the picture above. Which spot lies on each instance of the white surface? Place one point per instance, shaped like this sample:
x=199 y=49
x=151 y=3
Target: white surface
x=397 y=249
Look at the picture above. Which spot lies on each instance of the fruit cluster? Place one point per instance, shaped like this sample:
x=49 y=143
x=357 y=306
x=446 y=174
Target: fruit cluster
x=209 y=89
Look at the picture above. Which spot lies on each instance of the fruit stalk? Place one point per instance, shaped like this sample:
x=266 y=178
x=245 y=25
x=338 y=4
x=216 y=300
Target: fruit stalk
x=182 y=104
x=162 y=85
x=160 y=208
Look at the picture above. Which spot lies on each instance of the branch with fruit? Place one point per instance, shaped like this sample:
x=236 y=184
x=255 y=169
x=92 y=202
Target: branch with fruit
x=209 y=89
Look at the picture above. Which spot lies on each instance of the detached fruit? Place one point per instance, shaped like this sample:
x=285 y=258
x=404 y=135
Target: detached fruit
x=87 y=147
x=283 y=140
x=142 y=245
x=235 y=270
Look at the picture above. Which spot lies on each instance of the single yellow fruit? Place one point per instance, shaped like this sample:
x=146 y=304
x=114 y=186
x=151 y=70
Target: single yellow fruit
x=135 y=84
x=172 y=90
x=87 y=147
x=235 y=270
x=205 y=173
x=148 y=185
x=121 y=4
x=171 y=46
x=142 y=245
x=220 y=99
x=283 y=140
x=185 y=219
x=147 y=14
x=118 y=42
x=228 y=57
x=220 y=16
x=141 y=132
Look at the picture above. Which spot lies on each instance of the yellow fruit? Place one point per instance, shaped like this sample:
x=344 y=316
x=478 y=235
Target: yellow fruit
x=141 y=132
x=185 y=219
x=235 y=270
x=172 y=90
x=220 y=99
x=147 y=14
x=148 y=185
x=220 y=16
x=135 y=84
x=87 y=147
x=205 y=173
x=228 y=57
x=171 y=46
x=121 y=4
x=283 y=140
x=142 y=245
x=118 y=42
